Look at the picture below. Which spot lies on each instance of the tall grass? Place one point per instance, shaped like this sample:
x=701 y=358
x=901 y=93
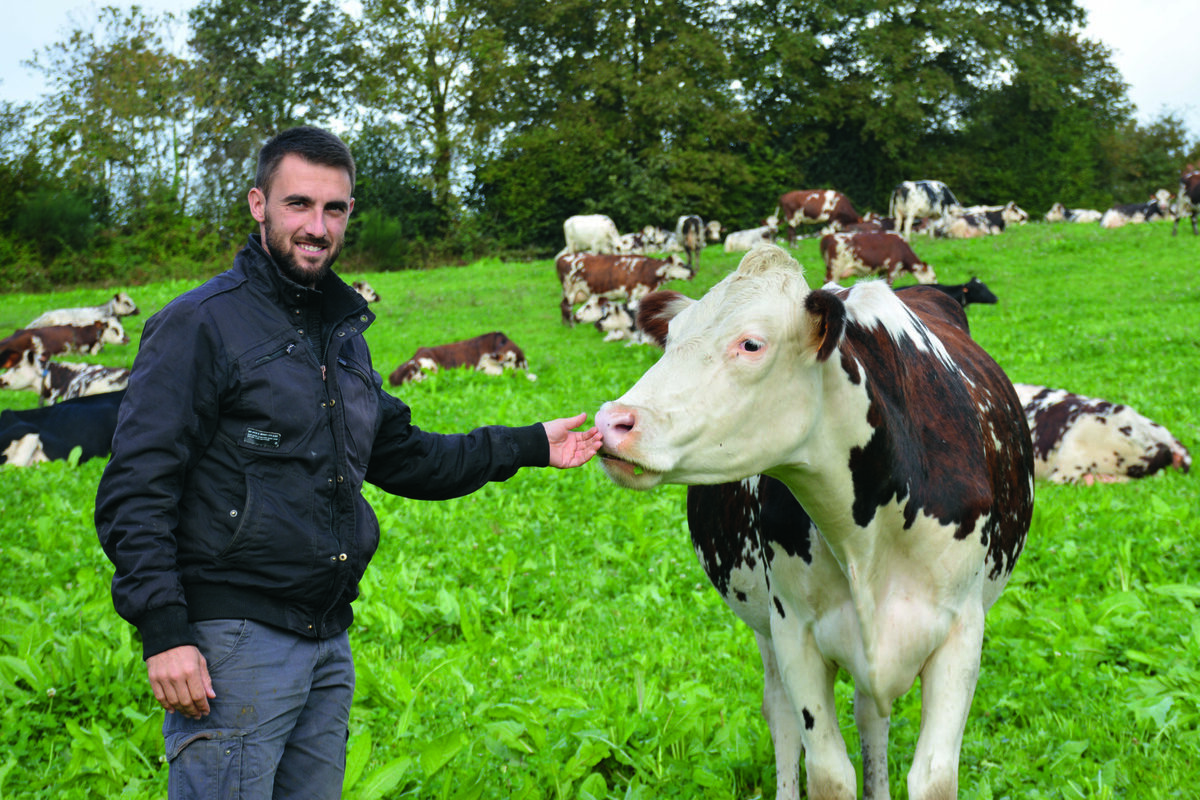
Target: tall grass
x=553 y=636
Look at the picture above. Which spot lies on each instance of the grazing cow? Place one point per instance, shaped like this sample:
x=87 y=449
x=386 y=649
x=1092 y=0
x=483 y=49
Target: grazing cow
x=55 y=339
x=590 y=233
x=1189 y=198
x=61 y=380
x=871 y=253
x=905 y=444
x=913 y=199
x=584 y=275
x=973 y=291
x=1060 y=213
x=712 y=230
x=971 y=225
x=1082 y=439
x=34 y=435
x=815 y=205
x=489 y=353
x=740 y=241
x=366 y=291
x=689 y=232
x=1010 y=212
x=121 y=305
x=1157 y=207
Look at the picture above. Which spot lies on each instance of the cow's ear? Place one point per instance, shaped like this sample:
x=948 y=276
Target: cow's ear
x=827 y=316
x=656 y=311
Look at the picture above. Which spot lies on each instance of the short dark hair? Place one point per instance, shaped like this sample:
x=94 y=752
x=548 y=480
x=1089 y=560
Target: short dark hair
x=315 y=145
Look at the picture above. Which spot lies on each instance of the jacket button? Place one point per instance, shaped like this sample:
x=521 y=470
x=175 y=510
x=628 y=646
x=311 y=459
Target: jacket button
x=340 y=478
x=233 y=512
x=341 y=557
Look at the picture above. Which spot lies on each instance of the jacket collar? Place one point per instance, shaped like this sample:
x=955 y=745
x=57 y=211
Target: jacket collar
x=335 y=298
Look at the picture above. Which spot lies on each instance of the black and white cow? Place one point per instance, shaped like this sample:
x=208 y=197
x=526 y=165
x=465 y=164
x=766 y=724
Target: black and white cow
x=1060 y=213
x=34 y=435
x=973 y=291
x=914 y=199
x=1157 y=207
x=689 y=232
x=920 y=500
x=54 y=381
x=1010 y=212
x=1189 y=198
x=1079 y=439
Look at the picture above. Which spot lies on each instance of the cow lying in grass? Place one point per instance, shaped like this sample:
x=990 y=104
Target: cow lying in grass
x=490 y=353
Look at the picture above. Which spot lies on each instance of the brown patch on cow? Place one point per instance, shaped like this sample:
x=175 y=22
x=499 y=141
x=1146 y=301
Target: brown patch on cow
x=831 y=316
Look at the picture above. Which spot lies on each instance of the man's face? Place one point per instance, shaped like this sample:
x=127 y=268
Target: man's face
x=303 y=222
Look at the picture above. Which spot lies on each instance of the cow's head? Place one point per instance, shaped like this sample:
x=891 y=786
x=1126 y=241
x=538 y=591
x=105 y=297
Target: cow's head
x=111 y=331
x=123 y=305
x=741 y=365
x=24 y=370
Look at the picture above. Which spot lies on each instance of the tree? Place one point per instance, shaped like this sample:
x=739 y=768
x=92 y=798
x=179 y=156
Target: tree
x=261 y=67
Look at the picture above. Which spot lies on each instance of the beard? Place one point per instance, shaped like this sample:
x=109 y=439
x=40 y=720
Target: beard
x=283 y=250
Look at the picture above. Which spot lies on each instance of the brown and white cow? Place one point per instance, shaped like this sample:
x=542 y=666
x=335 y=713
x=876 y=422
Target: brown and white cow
x=906 y=445
x=586 y=275
x=814 y=206
x=1079 y=439
x=61 y=380
x=1189 y=197
x=121 y=305
x=87 y=339
x=871 y=253
x=366 y=291
x=489 y=353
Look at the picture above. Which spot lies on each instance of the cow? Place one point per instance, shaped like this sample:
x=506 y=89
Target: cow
x=590 y=233
x=489 y=353
x=1010 y=212
x=616 y=320
x=33 y=435
x=366 y=291
x=905 y=444
x=584 y=275
x=871 y=253
x=689 y=232
x=970 y=225
x=712 y=230
x=913 y=199
x=121 y=305
x=814 y=205
x=1189 y=198
x=973 y=291
x=54 y=381
x=1079 y=439
x=1060 y=213
x=56 y=339
x=1157 y=207
x=740 y=241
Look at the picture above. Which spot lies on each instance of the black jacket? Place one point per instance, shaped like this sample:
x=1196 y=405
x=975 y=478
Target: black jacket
x=234 y=489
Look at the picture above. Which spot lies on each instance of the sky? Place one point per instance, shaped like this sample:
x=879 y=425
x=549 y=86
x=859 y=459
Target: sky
x=1145 y=44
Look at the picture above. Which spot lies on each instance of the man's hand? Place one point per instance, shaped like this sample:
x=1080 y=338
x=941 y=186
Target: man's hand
x=570 y=448
x=180 y=680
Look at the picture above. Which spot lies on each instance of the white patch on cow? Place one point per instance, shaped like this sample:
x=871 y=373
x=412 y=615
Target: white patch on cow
x=872 y=304
x=25 y=451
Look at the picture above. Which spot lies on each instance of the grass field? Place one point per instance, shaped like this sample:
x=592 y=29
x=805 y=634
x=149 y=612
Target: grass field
x=553 y=636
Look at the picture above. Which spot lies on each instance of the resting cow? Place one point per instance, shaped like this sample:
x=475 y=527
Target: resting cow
x=1082 y=439
x=121 y=305
x=34 y=435
x=1060 y=213
x=971 y=225
x=1157 y=207
x=489 y=353
x=915 y=199
x=584 y=275
x=1010 y=212
x=814 y=206
x=871 y=253
x=53 y=340
x=740 y=241
x=59 y=380
x=922 y=497
x=1189 y=198
x=366 y=291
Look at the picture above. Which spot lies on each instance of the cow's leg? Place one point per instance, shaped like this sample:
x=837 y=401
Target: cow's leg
x=809 y=679
x=947 y=687
x=568 y=318
x=873 y=737
x=782 y=722
x=1194 y=215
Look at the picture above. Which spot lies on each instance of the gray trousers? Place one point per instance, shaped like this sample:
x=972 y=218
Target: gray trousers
x=279 y=723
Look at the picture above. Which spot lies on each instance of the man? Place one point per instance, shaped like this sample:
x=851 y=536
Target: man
x=232 y=506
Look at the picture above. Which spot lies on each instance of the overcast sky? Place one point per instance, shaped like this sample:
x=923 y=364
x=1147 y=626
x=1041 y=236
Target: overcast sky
x=1144 y=38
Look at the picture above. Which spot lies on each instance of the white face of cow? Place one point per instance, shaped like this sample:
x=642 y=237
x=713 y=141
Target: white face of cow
x=26 y=374
x=740 y=366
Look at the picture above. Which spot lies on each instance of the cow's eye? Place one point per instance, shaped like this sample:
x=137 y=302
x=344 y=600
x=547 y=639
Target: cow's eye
x=751 y=345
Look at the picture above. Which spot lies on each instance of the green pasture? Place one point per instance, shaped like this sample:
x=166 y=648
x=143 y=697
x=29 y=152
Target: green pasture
x=554 y=636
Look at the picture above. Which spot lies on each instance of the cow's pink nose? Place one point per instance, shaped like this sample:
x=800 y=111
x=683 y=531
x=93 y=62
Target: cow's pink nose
x=615 y=423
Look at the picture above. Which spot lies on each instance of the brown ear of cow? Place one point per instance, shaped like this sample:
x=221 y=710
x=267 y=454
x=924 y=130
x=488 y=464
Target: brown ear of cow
x=829 y=320
x=656 y=311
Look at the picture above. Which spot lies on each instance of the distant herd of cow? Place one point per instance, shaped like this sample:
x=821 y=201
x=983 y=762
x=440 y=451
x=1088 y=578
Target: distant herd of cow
x=893 y=479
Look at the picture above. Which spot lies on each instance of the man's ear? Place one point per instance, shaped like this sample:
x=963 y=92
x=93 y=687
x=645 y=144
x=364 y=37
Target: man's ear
x=258 y=204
